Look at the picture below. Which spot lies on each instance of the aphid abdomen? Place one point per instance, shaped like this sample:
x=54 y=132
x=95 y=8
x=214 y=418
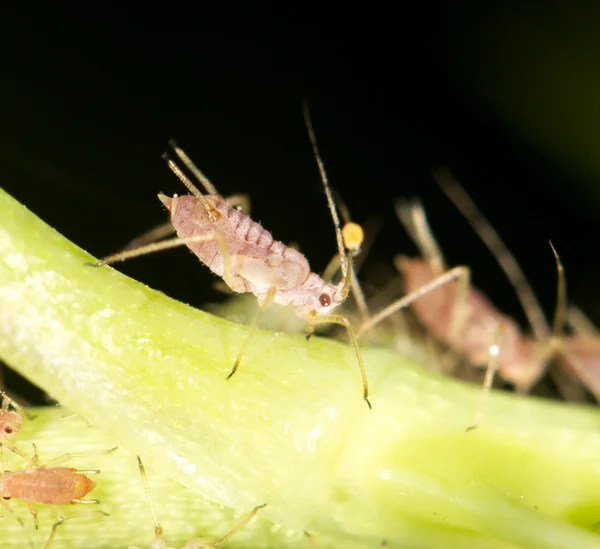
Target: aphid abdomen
x=50 y=485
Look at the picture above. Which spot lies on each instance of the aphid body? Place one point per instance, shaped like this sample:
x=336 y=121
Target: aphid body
x=258 y=262
x=47 y=485
x=520 y=362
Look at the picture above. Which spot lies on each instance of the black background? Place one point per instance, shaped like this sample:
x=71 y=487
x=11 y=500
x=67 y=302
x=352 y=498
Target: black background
x=89 y=100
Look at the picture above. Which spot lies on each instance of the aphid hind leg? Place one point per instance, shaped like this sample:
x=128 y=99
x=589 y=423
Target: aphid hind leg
x=215 y=544
x=263 y=307
x=313 y=320
x=72 y=455
x=152 y=235
x=158 y=531
x=150 y=249
x=62 y=519
x=492 y=367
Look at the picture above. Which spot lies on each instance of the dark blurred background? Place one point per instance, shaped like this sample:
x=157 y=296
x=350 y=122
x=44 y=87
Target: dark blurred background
x=506 y=96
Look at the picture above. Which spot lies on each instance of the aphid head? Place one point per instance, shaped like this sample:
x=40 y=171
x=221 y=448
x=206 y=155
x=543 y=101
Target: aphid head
x=10 y=424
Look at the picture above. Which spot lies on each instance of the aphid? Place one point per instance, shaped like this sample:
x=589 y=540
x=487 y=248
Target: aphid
x=199 y=543
x=462 y=317
x=245 y=255
x=11 y=421
x=49 y=485
x=579 y=354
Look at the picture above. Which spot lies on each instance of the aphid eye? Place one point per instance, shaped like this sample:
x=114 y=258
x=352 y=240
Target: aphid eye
x=4 y=497
x=8 y=430
x=324 y=300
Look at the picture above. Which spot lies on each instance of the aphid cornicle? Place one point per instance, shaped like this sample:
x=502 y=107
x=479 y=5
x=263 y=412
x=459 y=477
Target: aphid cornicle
x=248 y=259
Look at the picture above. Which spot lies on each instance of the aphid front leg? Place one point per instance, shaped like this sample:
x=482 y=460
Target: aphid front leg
x=313 y=320
x=263 y=306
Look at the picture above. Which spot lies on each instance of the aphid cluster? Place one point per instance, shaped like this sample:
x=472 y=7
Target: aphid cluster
x=460 y=316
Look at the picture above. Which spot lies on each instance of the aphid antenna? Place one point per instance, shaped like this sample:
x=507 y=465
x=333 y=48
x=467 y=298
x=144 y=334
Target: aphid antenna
x=463 y=202
x=345 y=260
x=560 y=313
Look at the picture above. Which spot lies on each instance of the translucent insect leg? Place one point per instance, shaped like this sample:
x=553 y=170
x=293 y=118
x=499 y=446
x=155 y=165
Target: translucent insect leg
x=314 y=320
x=215 y=544
x=66 y=457
x=62 y=519
x=457 y=273
x=263 y=307
x=151 y=248
x=492 y=367
x=153 y=235
x=158 y=531
x=413 y=217
x=492 y=240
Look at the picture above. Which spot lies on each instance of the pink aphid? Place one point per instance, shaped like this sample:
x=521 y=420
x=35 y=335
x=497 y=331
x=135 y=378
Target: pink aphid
x=258 y=263
x=48 y=485
x=249 y=260
x=520 y=362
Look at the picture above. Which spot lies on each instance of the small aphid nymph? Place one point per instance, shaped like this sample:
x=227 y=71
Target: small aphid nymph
x=49 y=485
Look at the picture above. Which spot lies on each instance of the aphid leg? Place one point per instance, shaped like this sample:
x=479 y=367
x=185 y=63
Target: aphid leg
x=158 y=531
x=151 y=248
x=215 y=544
x=6 y=506
x=33 y=512
x=580 y=323
x=152 y=235
x=494 y=352
x=262 y=309
x=62 y=519
x=492 y=240
x=313 y=320
x=460 y=273
x=66 y=457
x=413 y=217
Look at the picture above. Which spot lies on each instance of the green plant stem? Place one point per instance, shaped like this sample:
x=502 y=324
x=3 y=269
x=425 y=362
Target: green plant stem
x=290 y=428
